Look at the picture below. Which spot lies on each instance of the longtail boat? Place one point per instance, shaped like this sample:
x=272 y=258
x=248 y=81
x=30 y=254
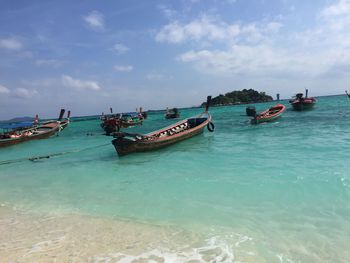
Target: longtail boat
x=126 y=143
x=114 y=122
x=270 y=114
x=300 y=103
x=37 y=132
x=172 y=113
x=65 y=122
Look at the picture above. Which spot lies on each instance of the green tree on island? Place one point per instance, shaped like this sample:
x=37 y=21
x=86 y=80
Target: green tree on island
x=240 y=97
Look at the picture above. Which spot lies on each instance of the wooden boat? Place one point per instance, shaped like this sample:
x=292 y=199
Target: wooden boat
x=131 y=119
x=113 y=123
x=172 y=113
x=65 y=122
x=126 y=143
x=37 y=132
x=270 y=114
x=300 y=103
x=143 y=113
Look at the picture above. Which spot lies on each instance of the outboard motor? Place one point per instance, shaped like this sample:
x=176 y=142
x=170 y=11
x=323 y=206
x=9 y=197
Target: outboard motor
x=250 y=111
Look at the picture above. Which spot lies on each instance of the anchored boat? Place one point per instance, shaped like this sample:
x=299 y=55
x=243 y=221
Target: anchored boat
x=301 y=103
x=269 y=115
x=126 y=143
x=113 y=123
x=172 y=113
x=18 y=134
x=34 y=133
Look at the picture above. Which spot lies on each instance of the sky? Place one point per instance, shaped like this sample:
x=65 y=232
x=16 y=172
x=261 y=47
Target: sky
x=87 y=56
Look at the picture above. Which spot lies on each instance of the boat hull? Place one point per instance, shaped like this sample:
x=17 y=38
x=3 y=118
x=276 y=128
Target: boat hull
x=300 y=106
x=268 y=119
x=172 y=116
x=125 y=145
x=44 y=135
x=270 y=114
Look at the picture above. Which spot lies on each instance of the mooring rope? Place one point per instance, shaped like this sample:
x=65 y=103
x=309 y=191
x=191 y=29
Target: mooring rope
x=47 y=156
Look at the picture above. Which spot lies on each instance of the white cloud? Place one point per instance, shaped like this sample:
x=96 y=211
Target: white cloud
x=337 y=16
x=24 y=93
x=248 y=60
x=69 y=82
x=121 y=68
x=3 y=89
x=21 y=93
x=120 y=48
x=340 y=8
x=263 y=48
x=11 y=44
x=214 y=30
x=95 y=20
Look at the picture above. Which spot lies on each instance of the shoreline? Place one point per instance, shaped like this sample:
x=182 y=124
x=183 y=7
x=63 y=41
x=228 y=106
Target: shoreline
x=31 y=237
x=28 y=237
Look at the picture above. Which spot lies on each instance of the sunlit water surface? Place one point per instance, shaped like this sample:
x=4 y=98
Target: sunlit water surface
x=276 y=192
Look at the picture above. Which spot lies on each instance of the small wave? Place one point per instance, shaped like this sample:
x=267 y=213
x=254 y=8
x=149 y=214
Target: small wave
x=47 y=245
x=215 y=250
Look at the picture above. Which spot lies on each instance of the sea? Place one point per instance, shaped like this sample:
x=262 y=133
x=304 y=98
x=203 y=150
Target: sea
x=273 y=192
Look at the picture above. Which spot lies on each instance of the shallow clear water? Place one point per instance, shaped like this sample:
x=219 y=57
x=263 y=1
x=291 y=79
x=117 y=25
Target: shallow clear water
x=285 y=185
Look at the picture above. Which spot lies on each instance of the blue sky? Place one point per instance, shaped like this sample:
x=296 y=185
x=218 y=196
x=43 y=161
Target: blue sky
x=89 y=55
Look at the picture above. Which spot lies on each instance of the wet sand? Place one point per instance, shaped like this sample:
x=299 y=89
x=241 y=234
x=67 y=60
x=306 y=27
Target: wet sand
x=33 y=237
x=27 y=237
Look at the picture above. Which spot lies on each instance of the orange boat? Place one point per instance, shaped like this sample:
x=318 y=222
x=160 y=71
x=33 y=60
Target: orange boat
x=270 y=114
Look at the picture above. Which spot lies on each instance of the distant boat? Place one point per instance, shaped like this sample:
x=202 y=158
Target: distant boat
x=270 y=114
x=172 y=113
x=114 y=122
x=300 y=103
x=347 y=94
x=36 y=132
x=126 y=143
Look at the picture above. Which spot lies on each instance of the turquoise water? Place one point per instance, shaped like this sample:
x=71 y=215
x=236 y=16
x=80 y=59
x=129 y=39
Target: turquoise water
x=285 y=185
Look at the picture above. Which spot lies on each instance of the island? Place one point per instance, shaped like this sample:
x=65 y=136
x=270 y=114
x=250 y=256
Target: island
x=237 y=97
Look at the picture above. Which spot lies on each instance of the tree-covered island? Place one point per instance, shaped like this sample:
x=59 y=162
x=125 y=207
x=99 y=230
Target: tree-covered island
x=240 y=97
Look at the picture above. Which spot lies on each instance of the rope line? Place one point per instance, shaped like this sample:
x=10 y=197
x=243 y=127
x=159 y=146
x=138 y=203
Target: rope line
x=40 y=157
